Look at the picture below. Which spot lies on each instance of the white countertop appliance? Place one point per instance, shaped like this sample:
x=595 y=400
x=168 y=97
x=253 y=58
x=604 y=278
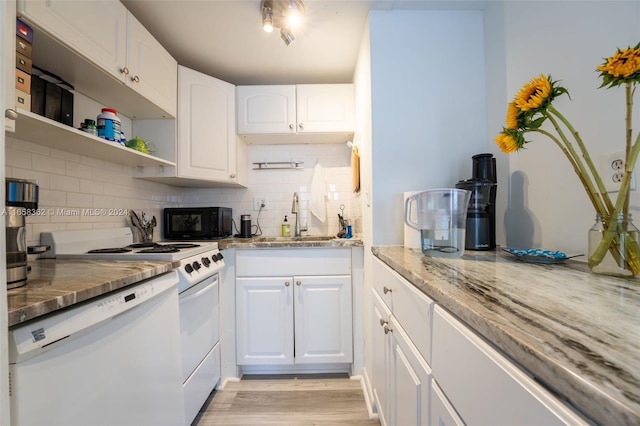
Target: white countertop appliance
x=198 y=288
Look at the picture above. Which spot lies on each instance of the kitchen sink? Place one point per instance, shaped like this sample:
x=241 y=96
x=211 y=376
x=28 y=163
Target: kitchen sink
x=286 y=239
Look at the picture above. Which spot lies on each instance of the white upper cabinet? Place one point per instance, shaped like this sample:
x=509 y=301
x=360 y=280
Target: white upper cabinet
x=304 y=113
x=325 y=108
x=266 y=109
x=207 y=143
x=95 y=29
x=70 y=35
x=152 y=70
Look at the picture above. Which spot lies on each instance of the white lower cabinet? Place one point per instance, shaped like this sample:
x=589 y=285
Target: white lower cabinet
x=484 y=386
x=293 y=319
x=401 y=342
x=401 y=376
x=428 y=368
x=442 y=413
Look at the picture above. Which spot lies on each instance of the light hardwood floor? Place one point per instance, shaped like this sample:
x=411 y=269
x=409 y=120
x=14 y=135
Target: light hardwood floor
x=287 y=400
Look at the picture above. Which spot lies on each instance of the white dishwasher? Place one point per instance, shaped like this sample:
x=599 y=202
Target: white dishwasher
x=111 y=361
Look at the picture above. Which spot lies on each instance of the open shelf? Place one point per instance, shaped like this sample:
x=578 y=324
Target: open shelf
x=43 y=131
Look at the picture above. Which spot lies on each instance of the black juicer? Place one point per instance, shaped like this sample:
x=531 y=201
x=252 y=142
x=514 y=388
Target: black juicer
x=481 y=214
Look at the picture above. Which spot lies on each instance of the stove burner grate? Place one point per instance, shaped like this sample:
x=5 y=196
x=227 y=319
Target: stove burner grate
x=111 y=250
x=142 y=245
x=160 y=249
x=181 y=245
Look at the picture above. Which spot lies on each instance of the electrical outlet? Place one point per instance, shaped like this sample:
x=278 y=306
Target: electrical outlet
x=612 y=171
x=259 y=203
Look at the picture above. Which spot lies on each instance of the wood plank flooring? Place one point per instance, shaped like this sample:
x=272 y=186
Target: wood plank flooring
x=287 y=400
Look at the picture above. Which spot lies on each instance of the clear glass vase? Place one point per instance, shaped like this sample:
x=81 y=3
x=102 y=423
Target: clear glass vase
x=620 y=255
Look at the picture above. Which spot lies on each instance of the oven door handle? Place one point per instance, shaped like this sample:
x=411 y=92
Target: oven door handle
x=200 y=292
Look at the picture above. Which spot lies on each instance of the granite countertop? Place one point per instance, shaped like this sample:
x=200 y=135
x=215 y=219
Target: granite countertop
x=576 y=331
x=55 y=284
x=285 y=242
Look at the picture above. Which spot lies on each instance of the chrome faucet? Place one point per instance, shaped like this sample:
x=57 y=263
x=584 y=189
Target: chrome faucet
x=295 y=209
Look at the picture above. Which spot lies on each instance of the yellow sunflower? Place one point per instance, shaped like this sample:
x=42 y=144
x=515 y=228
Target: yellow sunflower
x=507 y=143
x=622 y=68
x=512 y=116
x=534 y=94
x=623 y=64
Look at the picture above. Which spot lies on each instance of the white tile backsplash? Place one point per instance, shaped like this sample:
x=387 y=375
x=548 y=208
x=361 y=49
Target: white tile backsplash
x=71 y=185
x=278 y=186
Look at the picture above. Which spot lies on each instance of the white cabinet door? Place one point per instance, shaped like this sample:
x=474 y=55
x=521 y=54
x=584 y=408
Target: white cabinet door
x=8 y=32
x=325 y=108
x=381 y=352
x=96 y=30
x=288 y=109
x=152 y=70
x=409 y=380
x=264 y=321
x=323 y=323
x=206 y=127
x=442 y=413
x=483 y=386
x=266 y=109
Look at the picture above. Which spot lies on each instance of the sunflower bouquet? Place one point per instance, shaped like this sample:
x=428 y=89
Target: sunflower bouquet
x=533 y=106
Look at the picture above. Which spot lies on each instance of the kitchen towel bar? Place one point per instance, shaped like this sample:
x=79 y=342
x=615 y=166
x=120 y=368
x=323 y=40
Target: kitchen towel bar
x=279 y=165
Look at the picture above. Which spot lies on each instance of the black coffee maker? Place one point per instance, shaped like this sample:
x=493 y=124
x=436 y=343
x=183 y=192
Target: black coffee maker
x=481 y=214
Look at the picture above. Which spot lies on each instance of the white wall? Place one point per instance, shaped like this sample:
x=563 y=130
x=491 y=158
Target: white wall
x=541 y=202
x=428 y=106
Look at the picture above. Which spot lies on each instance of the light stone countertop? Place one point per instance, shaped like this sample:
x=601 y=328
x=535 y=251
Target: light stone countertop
x=575 y=331
x=289 y=242
x=56 y=284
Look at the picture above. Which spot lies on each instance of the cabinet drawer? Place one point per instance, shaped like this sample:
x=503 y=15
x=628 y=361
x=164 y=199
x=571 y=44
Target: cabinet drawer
x=412 y=308
x=302 y=261
x=483 y=386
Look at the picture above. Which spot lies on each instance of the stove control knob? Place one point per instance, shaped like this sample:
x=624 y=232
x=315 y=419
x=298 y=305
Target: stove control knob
x=196 y=265
x=206 y=262
x=188 y=268
x=219 y=256
x=214 y=258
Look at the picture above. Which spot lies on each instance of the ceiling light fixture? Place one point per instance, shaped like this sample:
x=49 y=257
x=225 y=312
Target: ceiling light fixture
x=286 y=36
x=267 y=16
x=283 y=14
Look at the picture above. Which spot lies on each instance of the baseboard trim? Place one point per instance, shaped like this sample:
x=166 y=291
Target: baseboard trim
x=367 y=391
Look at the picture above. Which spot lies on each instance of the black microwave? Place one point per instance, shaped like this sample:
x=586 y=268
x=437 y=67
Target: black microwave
x=197 y=223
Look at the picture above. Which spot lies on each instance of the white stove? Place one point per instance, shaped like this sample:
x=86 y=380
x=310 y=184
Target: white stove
x=198 y=288
x=198 y=259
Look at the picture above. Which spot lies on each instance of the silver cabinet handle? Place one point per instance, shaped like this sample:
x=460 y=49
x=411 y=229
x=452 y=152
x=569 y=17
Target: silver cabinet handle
x=383 y=322
x=135 y=79
x=291 y=126
x=386 y=289
x=287 y=283
x=124 y=70
x=11 y=114
x=387 y=329
x=232 y=175
x=301 y=125
x=298 y=283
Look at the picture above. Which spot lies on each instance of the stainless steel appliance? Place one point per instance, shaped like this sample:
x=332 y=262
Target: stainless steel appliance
x=481 y=215
x=245 y=226
x=21 y=200
x=113 y=360
x=198 y=288
x=197 y=223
